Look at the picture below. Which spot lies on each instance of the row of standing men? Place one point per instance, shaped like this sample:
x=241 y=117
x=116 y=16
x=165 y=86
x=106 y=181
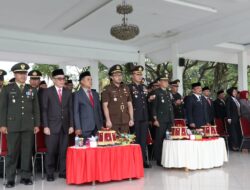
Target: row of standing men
x=125 y=108
x=24 y=108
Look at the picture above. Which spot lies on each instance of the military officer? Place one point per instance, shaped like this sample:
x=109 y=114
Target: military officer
x=139 y=95
x=162 y=111
x=35 y=78
x=2 y=73
x=177 y=101
x=117 y=102
x=19 y=120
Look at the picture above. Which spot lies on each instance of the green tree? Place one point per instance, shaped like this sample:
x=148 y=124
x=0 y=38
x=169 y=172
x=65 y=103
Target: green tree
x=45 y=69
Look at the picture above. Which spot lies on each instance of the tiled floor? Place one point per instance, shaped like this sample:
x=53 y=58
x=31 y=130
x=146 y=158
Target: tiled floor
x=233 y=175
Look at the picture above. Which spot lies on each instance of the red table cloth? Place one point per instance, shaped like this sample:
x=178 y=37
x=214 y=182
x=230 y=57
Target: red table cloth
x=103 y=164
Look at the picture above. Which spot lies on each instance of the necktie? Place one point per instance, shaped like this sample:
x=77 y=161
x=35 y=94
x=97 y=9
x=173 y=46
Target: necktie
x=209 y=101
x=60 y=95
x=91 y=98
x=21 y=87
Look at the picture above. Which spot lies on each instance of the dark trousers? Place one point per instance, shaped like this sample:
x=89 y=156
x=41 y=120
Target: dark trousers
x=56 y=145
x=87 y=134
x=141 y=129
x=19 y=144
x=160 y=134
x=234 y=134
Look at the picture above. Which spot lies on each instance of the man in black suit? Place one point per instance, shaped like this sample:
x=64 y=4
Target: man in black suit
x=220 y=111
x=196 y=108
x=209 y=104
x=87 y=108
x=57 y=114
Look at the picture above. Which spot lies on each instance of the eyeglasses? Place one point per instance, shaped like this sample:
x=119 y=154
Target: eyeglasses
x=60 y=78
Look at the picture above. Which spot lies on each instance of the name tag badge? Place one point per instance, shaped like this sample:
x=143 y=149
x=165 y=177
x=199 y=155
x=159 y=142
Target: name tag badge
x=13 y=93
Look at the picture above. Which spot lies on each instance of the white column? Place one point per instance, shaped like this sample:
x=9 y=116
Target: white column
x=94 y=70
x=177 y=70
x=242 y=71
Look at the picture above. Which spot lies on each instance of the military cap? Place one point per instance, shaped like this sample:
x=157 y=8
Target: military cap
x=57 y=72
x=137 y=69
x=196 y=84
x=163 y=77
x=115 y=69
x=20 y=67
x=84 y=74
x=205 y=88
x=35 y=74
x=175 y=83
x=2 y=73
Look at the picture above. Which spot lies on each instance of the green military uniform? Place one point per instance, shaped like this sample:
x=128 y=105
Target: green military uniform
x=162 y=110
x=117 y=98
x=19 y=109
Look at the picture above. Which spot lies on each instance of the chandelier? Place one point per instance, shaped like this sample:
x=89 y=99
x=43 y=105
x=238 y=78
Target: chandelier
x=124 y=31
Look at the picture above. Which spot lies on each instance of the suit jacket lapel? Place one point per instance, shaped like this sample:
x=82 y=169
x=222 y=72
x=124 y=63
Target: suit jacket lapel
x=85 y=96
x=55 y=94
x=64 y=96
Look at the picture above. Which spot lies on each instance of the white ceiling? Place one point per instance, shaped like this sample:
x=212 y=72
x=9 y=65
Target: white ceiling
x=89 y=21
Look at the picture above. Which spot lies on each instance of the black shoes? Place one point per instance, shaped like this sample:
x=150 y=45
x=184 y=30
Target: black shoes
x=50 y=178
x=146 y=165
x=62 y=176
x=26 y=181
x=10 y=184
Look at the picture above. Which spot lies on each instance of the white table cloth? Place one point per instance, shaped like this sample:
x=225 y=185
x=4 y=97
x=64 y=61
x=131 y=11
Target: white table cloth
x=194 y=155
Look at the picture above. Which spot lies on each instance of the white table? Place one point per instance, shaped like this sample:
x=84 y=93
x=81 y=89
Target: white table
x=194 y=155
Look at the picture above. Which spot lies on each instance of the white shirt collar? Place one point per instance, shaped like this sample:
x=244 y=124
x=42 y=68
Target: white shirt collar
x=57 y=88
x=197 y=96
